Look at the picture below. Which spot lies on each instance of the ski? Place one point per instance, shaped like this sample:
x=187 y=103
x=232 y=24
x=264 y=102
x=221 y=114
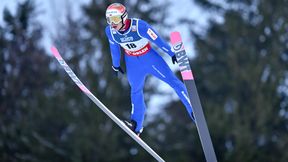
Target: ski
x=102 y=106
x=189 y=82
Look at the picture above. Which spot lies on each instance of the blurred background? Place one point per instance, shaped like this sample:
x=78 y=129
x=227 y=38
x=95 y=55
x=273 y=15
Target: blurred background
x=238 y=51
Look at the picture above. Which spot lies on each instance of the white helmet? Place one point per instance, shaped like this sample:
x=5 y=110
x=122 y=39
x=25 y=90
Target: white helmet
x=116 y=13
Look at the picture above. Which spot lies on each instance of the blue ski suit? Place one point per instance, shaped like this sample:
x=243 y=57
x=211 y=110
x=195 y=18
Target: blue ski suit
x=142 y=60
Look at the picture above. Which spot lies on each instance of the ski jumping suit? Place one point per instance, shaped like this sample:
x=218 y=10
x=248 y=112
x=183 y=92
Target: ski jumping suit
x=142 y=60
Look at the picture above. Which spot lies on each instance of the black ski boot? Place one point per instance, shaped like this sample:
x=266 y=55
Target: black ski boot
x=132 y=125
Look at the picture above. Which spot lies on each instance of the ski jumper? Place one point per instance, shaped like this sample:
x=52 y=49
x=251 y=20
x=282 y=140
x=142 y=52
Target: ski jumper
x=142 y=60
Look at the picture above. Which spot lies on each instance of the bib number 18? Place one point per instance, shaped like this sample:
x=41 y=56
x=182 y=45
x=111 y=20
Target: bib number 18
x=131 y=45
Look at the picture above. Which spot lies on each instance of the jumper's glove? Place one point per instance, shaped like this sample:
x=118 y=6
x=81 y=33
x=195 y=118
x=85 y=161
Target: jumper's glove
x=117 y=69
x=174 y=59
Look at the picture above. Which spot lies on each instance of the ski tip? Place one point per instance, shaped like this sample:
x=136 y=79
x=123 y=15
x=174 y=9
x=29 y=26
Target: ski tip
x=55 y=52
x=175 y=37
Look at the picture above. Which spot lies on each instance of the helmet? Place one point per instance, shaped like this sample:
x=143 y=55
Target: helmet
x=116 y=13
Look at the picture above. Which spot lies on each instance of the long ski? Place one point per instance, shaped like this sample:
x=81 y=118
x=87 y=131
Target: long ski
x=189 y=82
x=102 y=106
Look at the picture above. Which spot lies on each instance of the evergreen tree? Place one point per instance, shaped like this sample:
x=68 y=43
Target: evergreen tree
x=240 y=70
x=25 y=80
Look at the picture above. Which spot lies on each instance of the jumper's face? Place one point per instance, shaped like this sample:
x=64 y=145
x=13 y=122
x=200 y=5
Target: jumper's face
x=115 y=21
x=116 y=26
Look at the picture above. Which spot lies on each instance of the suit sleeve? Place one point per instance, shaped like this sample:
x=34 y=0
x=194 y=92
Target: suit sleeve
x=114 y=48
x=146 y=31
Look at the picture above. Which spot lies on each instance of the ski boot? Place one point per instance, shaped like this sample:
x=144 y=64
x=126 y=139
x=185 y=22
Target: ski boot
x=132 y=125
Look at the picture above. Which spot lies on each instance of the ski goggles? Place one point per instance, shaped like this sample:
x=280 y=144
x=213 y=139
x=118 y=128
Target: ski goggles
x=114 y=19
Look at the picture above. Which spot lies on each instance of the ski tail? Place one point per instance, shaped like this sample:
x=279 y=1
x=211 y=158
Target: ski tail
x=189 y=82
x=102 y=106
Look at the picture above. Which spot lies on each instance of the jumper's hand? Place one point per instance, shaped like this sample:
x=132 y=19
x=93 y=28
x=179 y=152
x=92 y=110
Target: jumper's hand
x=117 y=69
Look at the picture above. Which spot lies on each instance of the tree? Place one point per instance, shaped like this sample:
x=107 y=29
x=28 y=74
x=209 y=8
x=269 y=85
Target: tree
x=240 y=68
x=25 y=80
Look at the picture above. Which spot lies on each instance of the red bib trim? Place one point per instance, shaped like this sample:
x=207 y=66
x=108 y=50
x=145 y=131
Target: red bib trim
x=139 y=52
